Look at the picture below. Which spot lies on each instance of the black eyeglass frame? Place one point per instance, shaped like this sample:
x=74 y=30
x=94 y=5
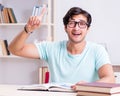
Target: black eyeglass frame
x=79 y=22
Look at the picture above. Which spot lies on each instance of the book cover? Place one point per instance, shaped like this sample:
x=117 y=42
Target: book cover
x=45 y=75
x=11 y=15
x=40 y=75
x=37 y=11
x=1 y=53
x=6 y=46
x=1 y=14
x=5 y=15
x=99 y=87
x=56 y=87
x=83 y=93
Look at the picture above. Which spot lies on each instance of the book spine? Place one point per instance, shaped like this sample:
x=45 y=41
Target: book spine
x=37 y=11
x=44 y=75
x=4 y=52
x=7 y=15
x=6 y=46
x=1 y=53
x=47 y=77
x=13 y=17
x=1 y=13
x=40 y=75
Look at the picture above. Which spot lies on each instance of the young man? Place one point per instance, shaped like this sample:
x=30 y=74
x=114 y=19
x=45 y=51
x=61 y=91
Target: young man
x=75 y=60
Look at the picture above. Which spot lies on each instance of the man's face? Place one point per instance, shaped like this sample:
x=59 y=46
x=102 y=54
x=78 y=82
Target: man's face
x=77 y=28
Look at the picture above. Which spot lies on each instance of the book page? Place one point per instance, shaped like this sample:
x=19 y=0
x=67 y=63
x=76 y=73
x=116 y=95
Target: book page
x=34 y=87
x=61 y=87
x=49 y=87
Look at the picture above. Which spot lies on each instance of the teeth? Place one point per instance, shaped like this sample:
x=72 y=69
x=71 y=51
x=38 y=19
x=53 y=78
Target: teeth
x=75 y=34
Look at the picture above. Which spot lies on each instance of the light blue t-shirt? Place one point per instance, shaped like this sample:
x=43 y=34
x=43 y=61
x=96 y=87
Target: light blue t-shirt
x=65 y=67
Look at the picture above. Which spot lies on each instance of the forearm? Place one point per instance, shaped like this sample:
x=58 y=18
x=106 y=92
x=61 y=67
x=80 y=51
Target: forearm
x=18 y=45
x=108 y=79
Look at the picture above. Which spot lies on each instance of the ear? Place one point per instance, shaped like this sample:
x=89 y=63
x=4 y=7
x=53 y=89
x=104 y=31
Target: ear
x=65 y=28
x=88 y=28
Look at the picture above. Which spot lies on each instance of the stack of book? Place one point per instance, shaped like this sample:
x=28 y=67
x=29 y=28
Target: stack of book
x=98 y=89
x=7 y=15
x=37 y=9
x=4 y=48
x=43 y=75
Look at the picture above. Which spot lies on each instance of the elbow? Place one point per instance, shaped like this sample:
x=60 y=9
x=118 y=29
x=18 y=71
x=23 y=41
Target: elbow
x=107 y=79
x=113 y=80
x=12 y=49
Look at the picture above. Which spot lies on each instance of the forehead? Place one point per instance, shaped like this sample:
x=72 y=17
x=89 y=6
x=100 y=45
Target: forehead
x=79 y=17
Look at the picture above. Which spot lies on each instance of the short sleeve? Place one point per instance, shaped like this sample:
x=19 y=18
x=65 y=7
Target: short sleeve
x=102 y=57
x=42 y=49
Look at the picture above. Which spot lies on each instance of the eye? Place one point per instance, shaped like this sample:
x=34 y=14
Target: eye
x=71 y=23
x=82 y=23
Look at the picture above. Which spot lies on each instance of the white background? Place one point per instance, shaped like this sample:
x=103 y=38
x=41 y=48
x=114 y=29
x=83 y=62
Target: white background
x=104 y=29
x=105 y=26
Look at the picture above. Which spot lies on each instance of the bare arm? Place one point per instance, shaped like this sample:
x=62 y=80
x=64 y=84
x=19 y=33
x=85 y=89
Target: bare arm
x=106 y=74
x=18 y=45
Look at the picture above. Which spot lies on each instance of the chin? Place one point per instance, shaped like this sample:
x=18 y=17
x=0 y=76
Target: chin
x=76 y=42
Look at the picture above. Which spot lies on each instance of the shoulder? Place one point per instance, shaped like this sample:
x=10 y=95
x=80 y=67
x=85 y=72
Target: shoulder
x=97 y=49
x=51 y=43
x=95 y=46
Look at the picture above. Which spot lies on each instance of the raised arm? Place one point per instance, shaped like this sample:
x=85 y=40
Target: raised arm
x=18 y=45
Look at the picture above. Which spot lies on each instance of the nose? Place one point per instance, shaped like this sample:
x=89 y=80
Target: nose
x=77 y=26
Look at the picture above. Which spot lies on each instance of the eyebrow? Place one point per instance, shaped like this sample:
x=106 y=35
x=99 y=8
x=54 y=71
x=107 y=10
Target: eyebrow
x=78 y=19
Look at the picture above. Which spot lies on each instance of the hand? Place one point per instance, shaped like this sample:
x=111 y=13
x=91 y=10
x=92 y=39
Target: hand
x=34 y=22
x=80 y=82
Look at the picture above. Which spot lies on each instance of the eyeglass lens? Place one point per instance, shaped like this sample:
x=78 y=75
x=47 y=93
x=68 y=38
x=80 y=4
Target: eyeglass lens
x=81 y=24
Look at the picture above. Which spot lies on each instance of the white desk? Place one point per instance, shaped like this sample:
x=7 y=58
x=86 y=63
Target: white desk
x=11 y=90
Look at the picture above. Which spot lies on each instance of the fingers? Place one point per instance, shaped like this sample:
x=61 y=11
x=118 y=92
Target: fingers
x=34 y=20
x=81 y=82
x=42 y=13
x=33 y=23
x=73 y=87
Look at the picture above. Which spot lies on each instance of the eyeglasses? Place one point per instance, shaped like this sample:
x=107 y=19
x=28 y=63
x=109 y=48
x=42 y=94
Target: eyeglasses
x=82 y=24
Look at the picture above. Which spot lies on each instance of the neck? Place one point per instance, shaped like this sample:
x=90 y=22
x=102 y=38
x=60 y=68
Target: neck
x=76 y=48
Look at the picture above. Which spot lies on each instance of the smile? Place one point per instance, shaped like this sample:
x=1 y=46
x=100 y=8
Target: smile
x=76 y=33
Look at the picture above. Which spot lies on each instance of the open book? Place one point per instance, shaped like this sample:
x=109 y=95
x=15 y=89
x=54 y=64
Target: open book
x=66 y=87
